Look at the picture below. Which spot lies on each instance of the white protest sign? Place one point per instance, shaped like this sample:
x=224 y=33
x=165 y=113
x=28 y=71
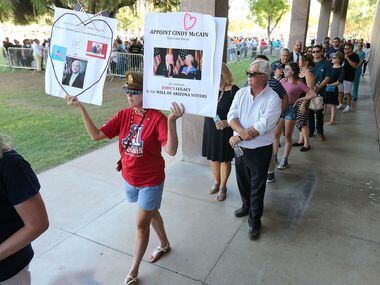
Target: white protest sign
x=182 y=61
x=79 y=51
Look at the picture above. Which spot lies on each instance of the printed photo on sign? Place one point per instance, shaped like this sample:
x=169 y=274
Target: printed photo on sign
x=59 y=53
x=177 y=63
x=96 y=49
x=74 y=72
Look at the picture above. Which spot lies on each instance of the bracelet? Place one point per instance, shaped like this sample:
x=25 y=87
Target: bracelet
x=241 y=139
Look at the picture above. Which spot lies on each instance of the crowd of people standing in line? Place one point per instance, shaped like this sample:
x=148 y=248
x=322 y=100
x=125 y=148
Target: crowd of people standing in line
x=30 y=54
x=308 y=85
x=294 y=91
x=239 y=48
x=119 y=63
x=33 y=54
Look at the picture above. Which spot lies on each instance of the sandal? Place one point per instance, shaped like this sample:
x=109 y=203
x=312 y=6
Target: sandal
x=222 y=195
x=214 y=189
x=130 y=280
x=159 y=252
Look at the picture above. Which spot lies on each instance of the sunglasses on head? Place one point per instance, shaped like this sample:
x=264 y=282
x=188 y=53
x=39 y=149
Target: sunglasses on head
x=132 y=91
x=252 y=74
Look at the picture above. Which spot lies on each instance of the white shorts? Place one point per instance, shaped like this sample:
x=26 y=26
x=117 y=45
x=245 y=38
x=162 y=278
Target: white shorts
x=347 y=87
x=340 y=88
x=21 y=278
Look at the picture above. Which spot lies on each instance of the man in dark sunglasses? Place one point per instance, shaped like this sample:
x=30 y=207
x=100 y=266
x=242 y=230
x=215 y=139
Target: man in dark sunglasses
x=321 y=72
x=253 y=115
x=351 y=61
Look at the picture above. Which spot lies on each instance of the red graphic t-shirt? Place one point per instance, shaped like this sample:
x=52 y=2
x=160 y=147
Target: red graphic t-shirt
x=143 y=164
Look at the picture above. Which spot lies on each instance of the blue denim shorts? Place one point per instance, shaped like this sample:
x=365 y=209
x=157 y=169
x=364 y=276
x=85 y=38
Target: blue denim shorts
x=147 y=198
x=290 y=113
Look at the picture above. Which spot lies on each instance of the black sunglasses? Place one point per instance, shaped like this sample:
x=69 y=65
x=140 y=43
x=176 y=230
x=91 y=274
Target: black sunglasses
x=253 y=74
x=315 y=51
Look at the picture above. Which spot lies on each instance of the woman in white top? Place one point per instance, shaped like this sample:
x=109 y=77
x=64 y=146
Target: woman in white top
x=367 y=52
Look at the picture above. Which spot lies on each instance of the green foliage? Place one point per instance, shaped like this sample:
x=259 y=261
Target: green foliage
x=129 y=18
x=27 y=11
x=359 y=18
x=268 y=13
x=166 y=5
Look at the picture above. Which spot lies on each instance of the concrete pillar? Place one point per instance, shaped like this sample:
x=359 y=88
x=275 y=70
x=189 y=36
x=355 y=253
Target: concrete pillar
x=192 y=126
x=339 y=18
x=374 y=67
x=324 y=20
x=342 y=23
x=299 y=22
x=335 y=25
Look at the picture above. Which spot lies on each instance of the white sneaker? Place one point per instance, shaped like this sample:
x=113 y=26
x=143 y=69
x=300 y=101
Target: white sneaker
x=340 y=107
x=283 y=164
x=347 y=109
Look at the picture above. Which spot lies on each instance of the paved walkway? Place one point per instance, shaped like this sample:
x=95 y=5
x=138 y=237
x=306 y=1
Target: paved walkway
x=320 y=224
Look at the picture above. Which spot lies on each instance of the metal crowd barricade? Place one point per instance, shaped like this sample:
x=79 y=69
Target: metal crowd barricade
x=21 y=58
x=5 y=62
x=122 y=62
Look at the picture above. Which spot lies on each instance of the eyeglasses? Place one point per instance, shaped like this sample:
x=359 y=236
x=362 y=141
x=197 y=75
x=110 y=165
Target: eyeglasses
x=131 y=92
x=315 y=51
x=253 y=74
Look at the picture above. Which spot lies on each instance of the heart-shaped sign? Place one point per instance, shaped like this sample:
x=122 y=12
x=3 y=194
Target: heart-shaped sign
x=62 y=19
x=189 y=21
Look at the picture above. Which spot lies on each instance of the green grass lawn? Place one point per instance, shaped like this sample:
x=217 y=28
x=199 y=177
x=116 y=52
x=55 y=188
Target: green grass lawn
x=45 y=130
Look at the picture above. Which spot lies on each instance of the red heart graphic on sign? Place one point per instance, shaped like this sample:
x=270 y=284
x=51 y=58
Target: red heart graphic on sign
x=189 y=21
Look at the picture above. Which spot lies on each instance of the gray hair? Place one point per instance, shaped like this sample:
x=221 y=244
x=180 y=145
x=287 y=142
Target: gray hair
x=264 y=66
x=3 y=146
x=285 y=50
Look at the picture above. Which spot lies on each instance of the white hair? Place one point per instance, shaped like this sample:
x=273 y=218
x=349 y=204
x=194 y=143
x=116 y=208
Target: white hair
x=264 y=66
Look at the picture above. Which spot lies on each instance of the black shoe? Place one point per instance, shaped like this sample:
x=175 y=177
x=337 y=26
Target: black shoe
x=254 y=232
x=304 y=148
x=241 y=212
x=271 y=178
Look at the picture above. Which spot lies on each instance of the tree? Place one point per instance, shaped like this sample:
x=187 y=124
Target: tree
x=268 y=13
x=26 y=11
x=166 y=5
x=359 y=18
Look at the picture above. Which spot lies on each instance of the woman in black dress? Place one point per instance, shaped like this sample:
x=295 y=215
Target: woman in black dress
x=216 y=133
x=332 y=92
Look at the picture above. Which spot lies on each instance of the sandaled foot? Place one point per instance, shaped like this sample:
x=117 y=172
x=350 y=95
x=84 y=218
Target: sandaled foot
x=331 y=123
x=158 y=253
x=222 y=195
x=130 y=280
x=214 y=189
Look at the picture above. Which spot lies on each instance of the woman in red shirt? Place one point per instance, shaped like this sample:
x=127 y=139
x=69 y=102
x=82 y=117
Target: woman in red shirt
x=142 y=133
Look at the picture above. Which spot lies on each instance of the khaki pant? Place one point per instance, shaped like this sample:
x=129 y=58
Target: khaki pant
x=22 y=278
x=38 y=60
